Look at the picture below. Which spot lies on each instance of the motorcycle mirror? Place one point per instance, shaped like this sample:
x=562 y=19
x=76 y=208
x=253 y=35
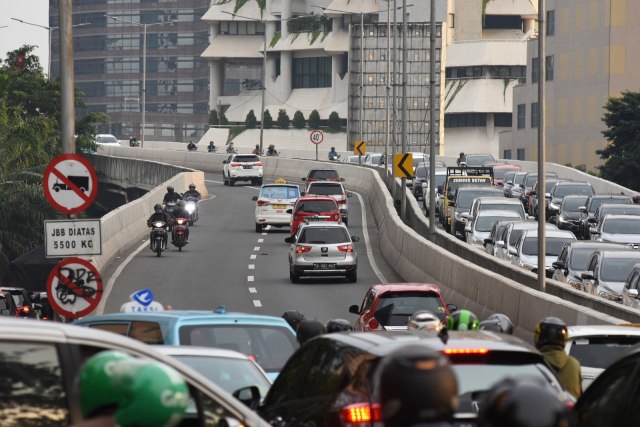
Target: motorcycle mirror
x=355 y=238
x=254 y=198
x=289 y=240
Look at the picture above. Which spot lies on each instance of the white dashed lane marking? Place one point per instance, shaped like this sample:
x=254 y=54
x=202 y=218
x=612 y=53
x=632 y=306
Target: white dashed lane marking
x=257 y=303
x=253 y=256
x=250 y=278
x=253 y=290
x=256 y=248
x=252 y=266
x=260 y=240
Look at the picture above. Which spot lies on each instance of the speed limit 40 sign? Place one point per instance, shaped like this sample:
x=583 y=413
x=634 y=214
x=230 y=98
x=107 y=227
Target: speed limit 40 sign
x=316 y=136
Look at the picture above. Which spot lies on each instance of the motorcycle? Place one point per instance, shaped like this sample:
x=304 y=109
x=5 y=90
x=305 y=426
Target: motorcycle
x=191 y=205
x=179 y=233
x=334 y=158
x=158 y=236
x=133 y=142
x=169 y=207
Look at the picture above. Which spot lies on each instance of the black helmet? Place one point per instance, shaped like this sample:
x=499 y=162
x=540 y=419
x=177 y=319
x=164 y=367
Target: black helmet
x=551 y=331
x=416 y=385
x=636 y=198
x=192 y=186
x=338 y=325
x=309 y=329
x=497 y=322
x=461 y=154
x=170 y=189
x=523 y=402
x=462 y=320
x=157 y=207
x=180 y=203
x=293 y=318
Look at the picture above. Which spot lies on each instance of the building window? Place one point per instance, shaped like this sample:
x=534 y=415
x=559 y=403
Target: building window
x=464 y=120
x=311 y=72
x=551 y=22
x=507 y=154
x=534 y=115
x=534 y=70
x=520 y=154
x=452 y=20
x=549 y=69
x=522 y=111
x=235 y=28
x=503 y=120
x=240 y=76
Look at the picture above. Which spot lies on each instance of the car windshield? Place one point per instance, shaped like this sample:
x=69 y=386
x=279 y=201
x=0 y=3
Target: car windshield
x=481 y=377
x=519 y=178
x=394 y=308
x=601 y=352
x=421 y=172
x=532 y=178
x=580 y=258
x=572 y=204
x=246 y=158
x=631 y=210
x=325 y=189
x=512 y=207
x=230 y=374
x=565 y=190
x=508 y=176
x=515 y=236
x=279 y=192
x=485 y=223
x=621 y=226
x=617 y=269
x=317 y=206
x=419 y=159
x=548 y=185
x=271 y=346
x=478 y=159
x=18 y=299
x=595 y=203
x=465 y=198
x=324 y=174
x=324 y=235
x=553 y=245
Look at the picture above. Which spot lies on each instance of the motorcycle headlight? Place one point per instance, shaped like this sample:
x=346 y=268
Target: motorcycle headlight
x=158 y=224
x=190 y=207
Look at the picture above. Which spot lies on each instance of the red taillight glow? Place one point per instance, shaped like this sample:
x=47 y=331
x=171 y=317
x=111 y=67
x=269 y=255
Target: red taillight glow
x=361 y=413
x=336 y=217
x=26 y=309
x=234 y=165
x=301 y=249
x=456 y=351
x=373 y=323
x=263 y=203
x=345 y=248
x=257 y=164
x=251 y=357
x=180 y=221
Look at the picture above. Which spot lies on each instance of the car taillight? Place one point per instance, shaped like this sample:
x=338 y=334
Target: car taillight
x=456 y=351
x=300 y=249
x=353 y=415
x=343 y=200
x=25 y=308
x=373 y=323
x=336 y=217
x=345 y=248
x=257 y=164
x=263 y=203
x=234 y=165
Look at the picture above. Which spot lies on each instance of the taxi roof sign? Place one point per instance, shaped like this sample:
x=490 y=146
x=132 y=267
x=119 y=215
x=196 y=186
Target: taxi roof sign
x=280 y=181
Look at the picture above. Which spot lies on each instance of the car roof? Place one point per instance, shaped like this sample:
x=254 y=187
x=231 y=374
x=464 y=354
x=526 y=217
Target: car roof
x=507 y=166
x=530 y=225
x=609 y=196
x=609 y=217
x=322 y=169
x=280 y=185
x=324 y=224
x=503 y=200
x=589 y=330
x=562 y=183
x=315 y=197
x=626 y=252
x=405 y=287
x=549 y=233
x=189 y=350
x=588 y=244
x=315 y=183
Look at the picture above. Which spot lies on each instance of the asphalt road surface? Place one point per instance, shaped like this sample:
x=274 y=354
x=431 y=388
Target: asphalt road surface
x=227 y=262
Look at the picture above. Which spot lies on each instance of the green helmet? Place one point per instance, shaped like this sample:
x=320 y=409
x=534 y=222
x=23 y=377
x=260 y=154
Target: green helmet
x=463 y=320
x=152 y=394
x=95 y=386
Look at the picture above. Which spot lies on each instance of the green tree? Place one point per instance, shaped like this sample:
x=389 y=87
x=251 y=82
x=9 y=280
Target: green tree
x=223 y=119
x=251 y=121
x=283 y=120
x=213 y=118
x=314 y=120
x=298 y=120
x=334 y=122
x=268 y=120
x=622 y=155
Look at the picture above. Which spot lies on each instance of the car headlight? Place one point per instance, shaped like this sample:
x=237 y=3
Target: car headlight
x=190 y=207
x=608 y=295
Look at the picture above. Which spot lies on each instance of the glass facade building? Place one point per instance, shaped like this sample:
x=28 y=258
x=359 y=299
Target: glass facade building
x=108 y=65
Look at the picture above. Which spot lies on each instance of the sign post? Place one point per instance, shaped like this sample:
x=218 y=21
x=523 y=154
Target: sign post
x=70 y=183
x=316 y=138
x=72 y=238
x=74 y=288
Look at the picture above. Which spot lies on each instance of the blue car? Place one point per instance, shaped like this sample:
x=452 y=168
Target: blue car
x=269 y=340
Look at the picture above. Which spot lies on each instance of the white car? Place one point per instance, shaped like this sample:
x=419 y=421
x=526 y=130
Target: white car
x=480 y=226
x=331 y=189
x=512 y=235
x=597 y=346
x=106 y=139
x=617 y=229
x=353 y=160
x=272 y=205
x=525 y=254
x=242 y=167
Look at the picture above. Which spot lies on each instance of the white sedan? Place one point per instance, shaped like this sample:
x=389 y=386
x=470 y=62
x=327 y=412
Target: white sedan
x=272 y=205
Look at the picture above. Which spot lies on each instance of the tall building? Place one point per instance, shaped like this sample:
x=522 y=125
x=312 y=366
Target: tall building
x=591 y=54
x=109 y=65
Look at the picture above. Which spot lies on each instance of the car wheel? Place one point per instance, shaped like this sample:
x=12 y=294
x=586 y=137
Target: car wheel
x=224 y=179
x=259 y=181
x=346 y=221
x=352 y=277
x=259 y=228
x=232 y=181
x=295 y=278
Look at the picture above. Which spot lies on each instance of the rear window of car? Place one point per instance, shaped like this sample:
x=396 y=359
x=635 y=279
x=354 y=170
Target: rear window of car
x=600 y=201
x=512 y=207
x=279 y=192
x=325 y=189
x=622 y=226
x=394 y=308
x=553 y=245
x=601 y=352
x=565 y=190
x=246 y=158
x=18 y=298
x=323 y=174
x=317 y=206
x=328 y=235
x=617 y=269
x=573 y=204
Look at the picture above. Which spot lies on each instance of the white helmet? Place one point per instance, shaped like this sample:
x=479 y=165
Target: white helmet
x=424 y=320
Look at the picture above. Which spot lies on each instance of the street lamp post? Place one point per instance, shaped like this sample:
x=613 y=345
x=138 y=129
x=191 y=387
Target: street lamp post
x=50 y=30
x=144 y=67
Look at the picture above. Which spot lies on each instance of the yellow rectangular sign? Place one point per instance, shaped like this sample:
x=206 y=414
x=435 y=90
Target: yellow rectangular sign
x=403 y=165
x=360 y=148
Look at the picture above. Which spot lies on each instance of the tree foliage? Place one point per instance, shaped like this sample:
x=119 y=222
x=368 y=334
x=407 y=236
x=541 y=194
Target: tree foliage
x=314 y=120
x=268 y=120
x=334 y=121
x=251 y=121
x=298 y=120
x=622 y=155
x=283 y=121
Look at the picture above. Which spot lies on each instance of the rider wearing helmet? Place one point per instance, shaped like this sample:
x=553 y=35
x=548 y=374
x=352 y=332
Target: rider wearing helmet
x=160 y=215
x=417 y=387
x=462 y=320
x=192 y=192
x=271 y=150
x=171 y=195
x=460 y=159
x=116 y=389
x=309 y=329
x=498 y=323
x=181 y=212
x=523 y=402
x=424 y=320
x=550 y=337
x=338 y=325
x=333 y=154
x=293 y=318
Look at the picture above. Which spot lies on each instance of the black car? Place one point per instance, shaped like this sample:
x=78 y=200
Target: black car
x=331 y=377
x=421 y=176
x=7 y=304
x=593 y=204
x=565 y=188
x=24 y=307
x=568 y=217
x=462 y=202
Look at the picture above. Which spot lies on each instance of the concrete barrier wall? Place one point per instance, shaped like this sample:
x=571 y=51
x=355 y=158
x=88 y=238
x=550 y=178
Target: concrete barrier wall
x=417 y=259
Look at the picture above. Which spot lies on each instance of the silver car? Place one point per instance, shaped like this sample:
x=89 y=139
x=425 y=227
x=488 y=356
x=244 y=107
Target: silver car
x=322 y=249
x=618 y=229
x=481 y=225
x=525 y=254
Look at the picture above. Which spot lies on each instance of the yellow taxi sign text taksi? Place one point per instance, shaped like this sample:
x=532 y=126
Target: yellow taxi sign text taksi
x=280 y=181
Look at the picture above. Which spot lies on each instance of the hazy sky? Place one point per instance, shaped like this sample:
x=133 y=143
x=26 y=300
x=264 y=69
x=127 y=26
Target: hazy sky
x=17 y=34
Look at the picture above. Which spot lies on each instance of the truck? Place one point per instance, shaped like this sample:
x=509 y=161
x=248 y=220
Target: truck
x=457 y=177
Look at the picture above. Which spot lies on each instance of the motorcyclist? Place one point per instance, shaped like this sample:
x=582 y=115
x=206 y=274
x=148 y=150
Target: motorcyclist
x=338 y=325
x=309 y=329
x=460 y=159
x=231 y=149
x=293 y=318
x=181 y=212
x=498 y=323
x=211 y=148
x=133 y=142
x=333 y=154
x=192 y=192
x=116 y=389
x=424 y=320
x=192 y=146
x=256 y=150
x=463 y=320
x=171 y=196
x=550 y=337
x=271 y=150
x=417 y=387
x=160 y=215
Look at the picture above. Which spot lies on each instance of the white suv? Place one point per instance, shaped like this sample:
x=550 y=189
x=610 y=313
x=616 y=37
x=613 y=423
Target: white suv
x=242 y=167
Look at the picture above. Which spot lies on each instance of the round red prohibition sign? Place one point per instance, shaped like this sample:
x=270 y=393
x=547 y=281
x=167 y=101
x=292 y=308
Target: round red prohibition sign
x=316 y=136
x=74 y=288
x=70 y=183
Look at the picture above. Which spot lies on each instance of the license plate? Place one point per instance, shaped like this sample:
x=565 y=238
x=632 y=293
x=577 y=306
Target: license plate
x=324 y=266
x=279 y=206
x=247 y=166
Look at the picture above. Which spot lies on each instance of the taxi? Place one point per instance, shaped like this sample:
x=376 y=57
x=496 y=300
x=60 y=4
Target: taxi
x=273 y=202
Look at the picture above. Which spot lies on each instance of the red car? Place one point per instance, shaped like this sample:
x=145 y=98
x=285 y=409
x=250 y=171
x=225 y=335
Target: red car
x=388 y=306
x=313 y=208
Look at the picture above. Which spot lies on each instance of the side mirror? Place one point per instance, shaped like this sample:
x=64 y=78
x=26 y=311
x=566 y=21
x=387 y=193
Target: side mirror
x=488 y=241
x=467 y=228
x=354 y=309
x=559 y=265
x=509 y=182
x=466 y=215
x=254 y=198
x=588 y=275
x=303 y=193
x=250 y=396
x=500 y=243
x=342 y=179
x=349 y=194
x=591 y=220
x=452 y=308
x=304 y=179
x=547 y=195
x=582 y=208
x=225 y=162
x=355 y=238
x=594 y=231
x=513 y=251
x=289 y=211
x=289 y=239
x=530 y=217
x=632 y=293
